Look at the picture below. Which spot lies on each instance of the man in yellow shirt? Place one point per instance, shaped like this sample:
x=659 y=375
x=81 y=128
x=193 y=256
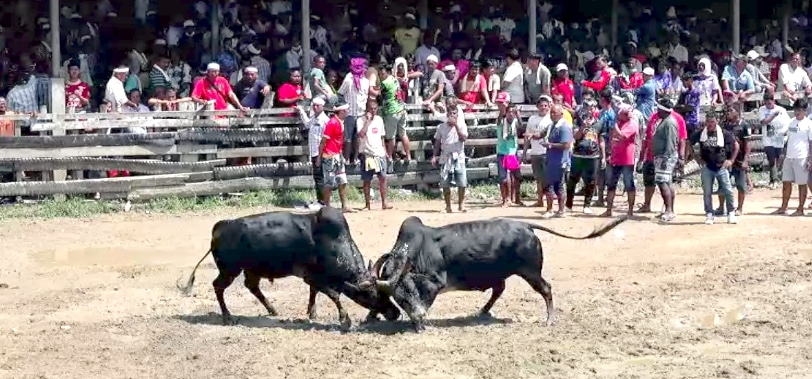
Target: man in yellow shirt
x=408 y=35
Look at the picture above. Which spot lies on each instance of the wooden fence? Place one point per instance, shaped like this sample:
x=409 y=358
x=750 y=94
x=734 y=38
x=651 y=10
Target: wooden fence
x=185 y=154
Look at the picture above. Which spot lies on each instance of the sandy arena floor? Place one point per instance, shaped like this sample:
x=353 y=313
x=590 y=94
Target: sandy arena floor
x=97 y=298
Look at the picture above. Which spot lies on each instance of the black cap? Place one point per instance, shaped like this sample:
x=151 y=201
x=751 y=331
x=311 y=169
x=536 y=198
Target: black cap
x=535 y=56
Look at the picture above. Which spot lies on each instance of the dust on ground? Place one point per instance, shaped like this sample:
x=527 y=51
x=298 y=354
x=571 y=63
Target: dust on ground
x=97 y=298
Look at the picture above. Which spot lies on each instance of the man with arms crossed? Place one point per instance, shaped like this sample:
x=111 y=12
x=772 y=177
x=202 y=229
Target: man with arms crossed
x=373 y=155
x=331 y=160
x=557 y=165
x=449 y=152
x=622 y=137
x=538 y=127
x=797 y=163
x=663 y=146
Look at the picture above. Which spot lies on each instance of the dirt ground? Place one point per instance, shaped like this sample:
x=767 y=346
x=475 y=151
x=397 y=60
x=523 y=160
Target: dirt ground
x=97 y=298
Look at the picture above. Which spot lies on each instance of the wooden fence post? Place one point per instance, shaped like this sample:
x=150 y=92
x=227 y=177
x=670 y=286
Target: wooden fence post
x=58 y=112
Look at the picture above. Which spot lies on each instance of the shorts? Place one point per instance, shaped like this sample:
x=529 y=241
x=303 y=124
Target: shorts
x=334 y=172
x=614 y=173
x=500 y=168
x=664 y=169
x=738 y=178
x=555 y=179
x=538 y=162
x=367 y=175
x=394 y=125
x=350 y=132
x=794 y=170
x=456 y=178
x=585 y=168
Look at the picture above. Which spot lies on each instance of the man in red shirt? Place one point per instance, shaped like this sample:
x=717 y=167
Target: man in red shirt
x=562 y=85
x=330 y=158
x=646 y=160
x=215 y=88
x=603 y=76
x=290 y=93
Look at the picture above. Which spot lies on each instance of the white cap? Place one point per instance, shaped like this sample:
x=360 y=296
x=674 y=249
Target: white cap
x=121 y=70
x=318 y=100
x=432 y=58
x=188 y=23
x=752 y=55
x=648 y=71
x=213 y=66
x=341 y=107
x=75 y=16
x=449 y=68
x=409 y=16
x=112 y=14
x=160 y=42
x=561 y=67
x=251 y=69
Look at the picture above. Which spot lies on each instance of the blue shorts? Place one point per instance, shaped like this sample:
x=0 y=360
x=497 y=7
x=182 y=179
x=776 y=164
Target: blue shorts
x=555 y=179
x=614 y=173
x=456 y=178
x=738 y=177
x=368 y=175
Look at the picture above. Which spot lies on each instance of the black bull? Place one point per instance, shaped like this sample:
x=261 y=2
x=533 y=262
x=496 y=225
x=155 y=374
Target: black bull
x=316 y=247
x=468 y=256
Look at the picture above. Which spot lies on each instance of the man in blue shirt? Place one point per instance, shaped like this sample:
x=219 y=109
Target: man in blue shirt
x=250 y=90
x=737 y=81
x=647 y=94
x=557 y=160
x=606 y=123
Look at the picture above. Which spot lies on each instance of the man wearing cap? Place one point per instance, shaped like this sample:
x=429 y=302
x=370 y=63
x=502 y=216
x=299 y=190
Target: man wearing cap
x=538 y=128
x=450 y=73
x=433 y=81
x=513 y=79
x=260 y=64
x=408 y=35
x=793 y=80
x=761 y=81
x=215 y=88
x=315 y=123
x=563 y=85
x=251 y=90
x=330 y=159
x=393 y=113
x=661 y=152
x=114 y=92
x=537 y=78
x=737 y=83
x=645 y=96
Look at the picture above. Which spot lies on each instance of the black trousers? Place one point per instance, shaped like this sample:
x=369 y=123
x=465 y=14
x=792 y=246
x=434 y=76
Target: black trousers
x=318 y=178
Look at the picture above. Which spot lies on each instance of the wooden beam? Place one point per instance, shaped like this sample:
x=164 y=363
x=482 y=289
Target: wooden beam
x=81 y=140
x=102 y=151
x=76 y=187
x=271 y=151
x=143 y=166
x=300 y=182
x=242 y=135
x=165 y=123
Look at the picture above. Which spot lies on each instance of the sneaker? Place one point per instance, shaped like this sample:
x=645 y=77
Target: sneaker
x=709 y=219
x=731 y=218
x=587 y=210
x=559 y=214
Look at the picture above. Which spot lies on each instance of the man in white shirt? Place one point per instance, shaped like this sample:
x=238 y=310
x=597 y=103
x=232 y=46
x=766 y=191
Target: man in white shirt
x=538 y=127
x=513 y=80
x=314 y=123
x=373 y=154
x=355 y=89
x=774 y=121
x=797 y=165
x=506 y=27
x=793 y=80
x=114 y=93
x=677 y=51
x=426 y=50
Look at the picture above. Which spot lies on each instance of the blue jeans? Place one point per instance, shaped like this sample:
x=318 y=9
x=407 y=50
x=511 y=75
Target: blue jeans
x=725 y=188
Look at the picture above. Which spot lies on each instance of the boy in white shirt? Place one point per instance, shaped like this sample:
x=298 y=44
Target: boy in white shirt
x=373 y=154
x=774 y=121
x=797 y=165
x=538 y=127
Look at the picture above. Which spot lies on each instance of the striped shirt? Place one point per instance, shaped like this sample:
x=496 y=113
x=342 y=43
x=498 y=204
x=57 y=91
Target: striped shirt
x=356 y=97
x=24 y=98
x=316 y=130
x=159 y=79
x=263 y=67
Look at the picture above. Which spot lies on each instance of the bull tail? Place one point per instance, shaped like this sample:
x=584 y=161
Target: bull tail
x=187 y=289
x=595 y=233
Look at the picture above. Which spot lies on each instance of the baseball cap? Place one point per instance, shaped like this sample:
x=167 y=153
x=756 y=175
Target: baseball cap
x=561 y=67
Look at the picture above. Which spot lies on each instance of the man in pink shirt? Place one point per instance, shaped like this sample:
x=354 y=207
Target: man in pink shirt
x=621 y=161
x=646 y=161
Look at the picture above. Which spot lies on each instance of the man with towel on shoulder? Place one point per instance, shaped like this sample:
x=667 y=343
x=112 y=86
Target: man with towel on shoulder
x=717 y=150
x=373 y=154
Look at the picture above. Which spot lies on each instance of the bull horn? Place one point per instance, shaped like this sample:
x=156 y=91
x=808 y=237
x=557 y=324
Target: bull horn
x=366 y=284
x=386 y=285
x=376 y=268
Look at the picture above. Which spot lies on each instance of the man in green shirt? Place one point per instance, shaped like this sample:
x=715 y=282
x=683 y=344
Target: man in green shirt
x=317 y=83
x=393 y=112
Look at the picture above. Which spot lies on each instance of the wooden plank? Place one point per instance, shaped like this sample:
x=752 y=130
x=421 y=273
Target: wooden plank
x=276 y=170
x=259 y=113
x=81 y=140
x=144 y=166
x=242 y=135
x=165 y=123
x=76 y=187
x=101 y=151
x=271 y=151
x=300 y=182
x=467 y=115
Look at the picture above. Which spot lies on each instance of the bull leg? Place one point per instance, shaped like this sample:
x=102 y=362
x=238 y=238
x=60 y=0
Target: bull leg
x=343 y=317
x=545 y=290
x=223 y=280
x=252 y=283
x=496 y=292
x=311 y=304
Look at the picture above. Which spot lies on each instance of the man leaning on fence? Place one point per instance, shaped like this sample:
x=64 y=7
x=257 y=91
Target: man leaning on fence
x=314 y=123
x=449 y=153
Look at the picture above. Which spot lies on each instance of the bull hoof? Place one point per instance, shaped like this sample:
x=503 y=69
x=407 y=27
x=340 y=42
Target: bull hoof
x=484 y=315
x=346 y=325
x=228 y=320
x=419 y=327
x=312 y=315
x=371 y=318
x=273 y=313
